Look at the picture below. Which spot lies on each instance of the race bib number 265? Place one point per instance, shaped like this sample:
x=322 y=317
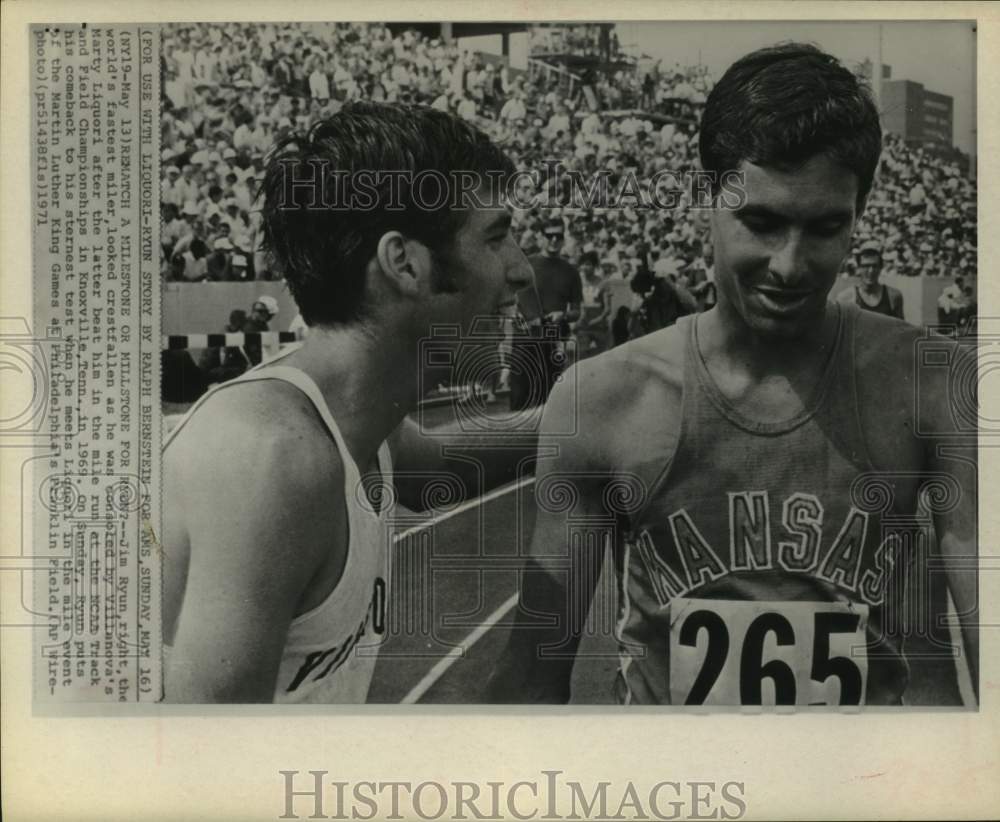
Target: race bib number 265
x=725 y=652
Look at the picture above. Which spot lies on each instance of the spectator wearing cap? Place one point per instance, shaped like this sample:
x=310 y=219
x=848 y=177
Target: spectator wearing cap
x=549 y=305
x=172 y=189
x=264 y=309
x=217 y=264
x=514 y=108
x=240 y=266
x=870 y=294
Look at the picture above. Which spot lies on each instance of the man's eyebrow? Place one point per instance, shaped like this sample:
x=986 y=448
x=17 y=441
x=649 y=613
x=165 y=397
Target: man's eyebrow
x=836 y=214
x=764 y=211
x=759 y=211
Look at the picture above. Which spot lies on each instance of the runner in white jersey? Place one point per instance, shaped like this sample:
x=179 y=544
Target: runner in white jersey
x=325 y=658
x=277 y=486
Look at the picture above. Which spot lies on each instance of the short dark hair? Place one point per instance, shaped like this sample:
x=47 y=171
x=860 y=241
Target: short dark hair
x=323 y=252
x=785 y=104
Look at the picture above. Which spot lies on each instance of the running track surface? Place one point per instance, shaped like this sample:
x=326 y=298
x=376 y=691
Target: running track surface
x=453 y=598
x=454 y=587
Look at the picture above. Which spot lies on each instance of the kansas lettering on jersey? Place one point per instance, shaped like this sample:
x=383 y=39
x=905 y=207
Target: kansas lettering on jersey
x=799 y=547
x=760 y=570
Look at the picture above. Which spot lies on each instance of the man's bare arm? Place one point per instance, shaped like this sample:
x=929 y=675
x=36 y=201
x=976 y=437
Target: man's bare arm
x=952 y=490
x=476 y=461
x=259 y=521
x=954 y=457
x=557 y=583
x=956 y=533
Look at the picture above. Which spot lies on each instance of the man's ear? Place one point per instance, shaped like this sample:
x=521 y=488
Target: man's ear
x=403 y=262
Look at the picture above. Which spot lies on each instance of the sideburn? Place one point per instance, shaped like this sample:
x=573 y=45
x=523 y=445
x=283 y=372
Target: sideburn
x=443 y=279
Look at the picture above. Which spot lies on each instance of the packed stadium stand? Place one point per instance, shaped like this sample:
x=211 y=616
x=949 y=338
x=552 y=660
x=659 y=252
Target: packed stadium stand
x=231 y=90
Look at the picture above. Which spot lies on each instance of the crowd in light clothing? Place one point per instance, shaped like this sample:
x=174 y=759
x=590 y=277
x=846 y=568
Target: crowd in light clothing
x=231 y=90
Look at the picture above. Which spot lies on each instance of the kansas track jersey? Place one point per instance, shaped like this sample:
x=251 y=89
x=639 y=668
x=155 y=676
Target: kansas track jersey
x=758 y=571
x=330 y=652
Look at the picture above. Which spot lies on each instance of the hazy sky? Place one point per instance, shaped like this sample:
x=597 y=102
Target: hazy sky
x=939 y=55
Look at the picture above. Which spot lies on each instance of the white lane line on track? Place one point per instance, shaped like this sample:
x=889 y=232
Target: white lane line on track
x=468 y=505
x=443 y=664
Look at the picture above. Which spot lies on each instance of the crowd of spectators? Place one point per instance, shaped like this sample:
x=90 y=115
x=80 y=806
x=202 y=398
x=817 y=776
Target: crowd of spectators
x=923 y=212
x=230 y=90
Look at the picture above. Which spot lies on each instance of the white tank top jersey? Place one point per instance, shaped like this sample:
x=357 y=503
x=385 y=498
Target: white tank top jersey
x=330 y=652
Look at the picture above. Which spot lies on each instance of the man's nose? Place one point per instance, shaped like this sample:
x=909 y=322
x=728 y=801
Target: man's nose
x=788 y=263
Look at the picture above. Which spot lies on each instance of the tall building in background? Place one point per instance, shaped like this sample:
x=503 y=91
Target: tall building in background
x=919 y=116
x=924 y=119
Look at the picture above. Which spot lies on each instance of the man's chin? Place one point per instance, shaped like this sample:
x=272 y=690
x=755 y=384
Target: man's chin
x=787 y=327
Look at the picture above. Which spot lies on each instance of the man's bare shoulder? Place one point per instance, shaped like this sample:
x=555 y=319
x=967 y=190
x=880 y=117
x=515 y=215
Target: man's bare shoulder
x=622 y=374
x=885 y=345
x=846 y=295
x=253 y=447
x=237 y=420
x=910 y=381
x=624 y=399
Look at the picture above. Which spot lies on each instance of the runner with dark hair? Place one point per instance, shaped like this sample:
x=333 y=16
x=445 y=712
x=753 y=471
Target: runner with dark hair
x=276 y=484
x=758 y=471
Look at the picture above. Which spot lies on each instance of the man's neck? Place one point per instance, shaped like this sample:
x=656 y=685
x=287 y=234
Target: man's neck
x=871 y=288
x=723 y=335
x=368 y=381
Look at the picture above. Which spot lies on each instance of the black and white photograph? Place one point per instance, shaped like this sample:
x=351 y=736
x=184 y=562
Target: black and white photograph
x=595 y=363
x=501 y=411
